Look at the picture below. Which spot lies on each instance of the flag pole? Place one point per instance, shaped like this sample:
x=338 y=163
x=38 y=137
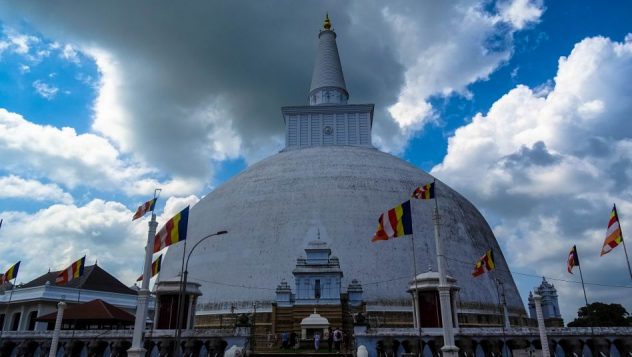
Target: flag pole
x=627 y=260
x=137 y=349
x=179 y=312
x=449 y=349
x=416 y=310
x=581 y=276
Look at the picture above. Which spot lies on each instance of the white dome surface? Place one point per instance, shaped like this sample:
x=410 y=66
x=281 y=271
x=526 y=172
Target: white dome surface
x=274 y=208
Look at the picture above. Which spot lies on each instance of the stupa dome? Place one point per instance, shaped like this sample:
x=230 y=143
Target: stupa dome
x=273 y=209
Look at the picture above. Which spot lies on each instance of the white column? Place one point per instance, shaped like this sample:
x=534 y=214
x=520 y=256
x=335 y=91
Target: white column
x=60 y=315
x=137 y=349
x=21 y=322
x=449 y=349
x=541 y=328
x=415 y=307
x=506 y=316
x=455 y=316
x=190 y=312
x=156 y=312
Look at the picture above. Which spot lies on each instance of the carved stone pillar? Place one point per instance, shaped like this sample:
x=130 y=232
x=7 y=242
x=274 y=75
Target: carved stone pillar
x=571 y=346
x=466 y=346
x=599 y=346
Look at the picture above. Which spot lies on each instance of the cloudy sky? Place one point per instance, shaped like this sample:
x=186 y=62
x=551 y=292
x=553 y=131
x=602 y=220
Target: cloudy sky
x=523 y=106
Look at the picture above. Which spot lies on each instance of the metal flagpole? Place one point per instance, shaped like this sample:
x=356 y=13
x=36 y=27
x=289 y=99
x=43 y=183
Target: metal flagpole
x=449 y=348
x=581 y=276
x=416 y=293
x=179 y=311
x=627 y=260
x=137 y=349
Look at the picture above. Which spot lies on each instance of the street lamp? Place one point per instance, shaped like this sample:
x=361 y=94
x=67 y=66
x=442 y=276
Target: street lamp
x=183 y=283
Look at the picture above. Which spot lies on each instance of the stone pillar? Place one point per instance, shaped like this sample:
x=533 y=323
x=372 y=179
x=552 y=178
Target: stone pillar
x=449 y=349
x=60 y=316
x=541 y=327
x=599 y=346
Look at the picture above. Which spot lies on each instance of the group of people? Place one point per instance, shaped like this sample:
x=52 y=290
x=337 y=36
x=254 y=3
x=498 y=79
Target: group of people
x=289 y=340
x=334 y=340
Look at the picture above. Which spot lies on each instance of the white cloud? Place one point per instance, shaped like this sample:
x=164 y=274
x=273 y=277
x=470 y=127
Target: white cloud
x=3 y=46
x=520 y=13
x=17 y=187
x=71 y=159
x=447 y=56
x=20 y=43
x=550 y=163
x=62 y=233
x=70 y=54
x=45 y=90
x=23 y=68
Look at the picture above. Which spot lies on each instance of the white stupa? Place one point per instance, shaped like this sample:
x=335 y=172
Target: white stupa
x=329 y=178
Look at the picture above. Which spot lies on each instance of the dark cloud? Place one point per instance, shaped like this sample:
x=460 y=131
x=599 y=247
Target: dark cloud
x=178 y=61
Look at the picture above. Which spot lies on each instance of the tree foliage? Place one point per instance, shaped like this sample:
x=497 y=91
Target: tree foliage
x=600 y=314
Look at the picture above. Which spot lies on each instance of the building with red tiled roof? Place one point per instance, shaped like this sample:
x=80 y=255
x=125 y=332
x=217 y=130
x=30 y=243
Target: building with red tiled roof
x=96 y=314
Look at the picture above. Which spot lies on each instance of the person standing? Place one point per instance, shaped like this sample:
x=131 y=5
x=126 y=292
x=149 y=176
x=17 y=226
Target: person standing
x=316 y=341
x=294 y=340
x=284 y=340
x=330 y=340
x=337 y=339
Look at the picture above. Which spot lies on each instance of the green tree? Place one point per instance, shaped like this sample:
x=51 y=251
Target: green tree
x=600 y=314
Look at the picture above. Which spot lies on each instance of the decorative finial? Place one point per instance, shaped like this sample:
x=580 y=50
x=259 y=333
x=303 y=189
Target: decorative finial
x=327 y=23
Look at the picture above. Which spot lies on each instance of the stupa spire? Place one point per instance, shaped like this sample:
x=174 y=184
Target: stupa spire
x=328 y=82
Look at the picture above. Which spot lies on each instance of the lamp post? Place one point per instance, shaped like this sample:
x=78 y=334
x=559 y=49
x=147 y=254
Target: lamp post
x=181 y=292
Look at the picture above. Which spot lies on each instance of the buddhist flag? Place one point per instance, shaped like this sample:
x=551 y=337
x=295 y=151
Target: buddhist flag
x=155 y=268
x=573 y=260
x=425 y=192
x=144 y=208
x=11 y=274
x=74 y=271
x=614 y=237
x=486 y=263
x=174 y=231
x=394 y=223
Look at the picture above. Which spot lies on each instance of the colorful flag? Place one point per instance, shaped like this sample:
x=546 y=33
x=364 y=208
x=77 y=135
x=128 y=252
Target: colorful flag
x=394 y=223
x=573 y=260
x=74 y=271
x=144 y=208
x=11 y=274
x=425 y=192
x=174 y=231
x=486 y=263
x=614 y=237
x=155 y=268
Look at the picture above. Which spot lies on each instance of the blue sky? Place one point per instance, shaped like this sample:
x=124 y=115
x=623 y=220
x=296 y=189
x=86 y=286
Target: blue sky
x=522 y=106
